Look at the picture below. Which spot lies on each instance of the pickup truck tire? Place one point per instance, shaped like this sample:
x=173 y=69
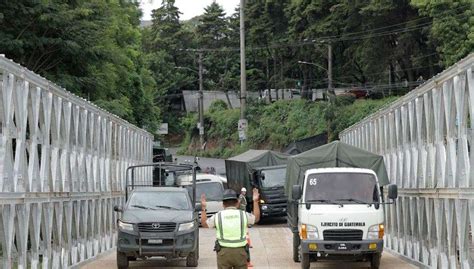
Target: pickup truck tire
x=193 y=257
x=296 y=247
x=122 y=260
x=305 y=263
x=375 y=261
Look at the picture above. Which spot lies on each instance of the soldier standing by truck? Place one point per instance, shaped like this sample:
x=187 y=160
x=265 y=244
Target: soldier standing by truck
x=231 y=229
x=242 y=199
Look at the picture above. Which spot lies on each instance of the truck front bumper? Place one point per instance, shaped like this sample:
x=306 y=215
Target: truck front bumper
x=273 y=210
x=342 y=247
x=170 y=245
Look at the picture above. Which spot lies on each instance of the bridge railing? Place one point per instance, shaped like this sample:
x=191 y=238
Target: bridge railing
x=62 y=169
x=427 y=138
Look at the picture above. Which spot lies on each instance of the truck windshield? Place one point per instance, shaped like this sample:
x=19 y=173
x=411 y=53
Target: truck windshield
x=213 y=191
x=341 y=188
x=274 y=178
x=160 y=200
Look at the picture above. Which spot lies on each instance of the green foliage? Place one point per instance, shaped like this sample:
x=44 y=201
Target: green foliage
x=92 y=48
x=218 y=105
x=453 y=27
x=276 y=125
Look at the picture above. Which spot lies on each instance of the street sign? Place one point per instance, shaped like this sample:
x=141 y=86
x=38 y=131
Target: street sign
x=242 y=125
x=242 y=128
x=242 y=135
x=163 y=130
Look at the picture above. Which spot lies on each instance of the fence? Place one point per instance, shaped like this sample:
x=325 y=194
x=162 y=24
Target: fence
x=62 y=169
x=426 y=138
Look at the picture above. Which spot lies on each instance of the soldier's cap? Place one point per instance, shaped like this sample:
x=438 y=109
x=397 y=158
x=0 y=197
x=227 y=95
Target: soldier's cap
x=229 y=195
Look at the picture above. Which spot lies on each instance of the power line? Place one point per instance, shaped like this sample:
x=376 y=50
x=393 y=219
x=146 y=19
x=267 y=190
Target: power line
x=344 y=37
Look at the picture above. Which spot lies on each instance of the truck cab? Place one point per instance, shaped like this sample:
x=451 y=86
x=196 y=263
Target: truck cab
x=264 y=170
x=270 y=181
x=340 y=215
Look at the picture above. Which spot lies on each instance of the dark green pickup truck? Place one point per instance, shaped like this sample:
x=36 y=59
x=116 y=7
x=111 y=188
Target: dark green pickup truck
x=158 y=222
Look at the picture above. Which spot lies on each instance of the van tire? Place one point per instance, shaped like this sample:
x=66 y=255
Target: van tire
x=296 y=245
x=305 y=263
x=375 y=261
x=122 y=260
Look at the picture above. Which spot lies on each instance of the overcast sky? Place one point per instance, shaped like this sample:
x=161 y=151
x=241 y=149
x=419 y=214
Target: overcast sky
x=189 y=8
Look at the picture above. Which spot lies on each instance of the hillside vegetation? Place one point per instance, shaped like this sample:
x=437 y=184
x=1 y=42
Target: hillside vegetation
x=273 y=126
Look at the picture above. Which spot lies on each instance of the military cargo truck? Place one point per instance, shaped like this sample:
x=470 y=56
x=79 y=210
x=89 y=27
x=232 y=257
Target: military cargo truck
x=264 y=170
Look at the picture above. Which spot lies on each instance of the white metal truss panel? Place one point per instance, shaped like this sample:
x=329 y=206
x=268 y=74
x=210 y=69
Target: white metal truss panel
x=62 y=170
x=426 y=138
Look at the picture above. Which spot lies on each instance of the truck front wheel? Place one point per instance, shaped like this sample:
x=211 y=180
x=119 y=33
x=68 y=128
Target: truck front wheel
x=375 y=261
x=296 y=247
x=193 y=257
x=122 y=260
x=305 y=260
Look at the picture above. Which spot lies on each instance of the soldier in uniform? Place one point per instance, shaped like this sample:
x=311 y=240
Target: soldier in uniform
x=243 y=199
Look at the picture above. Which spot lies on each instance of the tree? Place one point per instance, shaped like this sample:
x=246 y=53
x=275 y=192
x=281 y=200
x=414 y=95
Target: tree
x=92 y=48
x=164 y=43
x=213 y=32
x=452 y=30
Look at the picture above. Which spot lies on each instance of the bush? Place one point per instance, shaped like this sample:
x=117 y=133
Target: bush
x=217 y=105
x=276 y=125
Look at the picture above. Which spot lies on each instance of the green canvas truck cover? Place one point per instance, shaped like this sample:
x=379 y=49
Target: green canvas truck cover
x=238 y=168
x=334 y=154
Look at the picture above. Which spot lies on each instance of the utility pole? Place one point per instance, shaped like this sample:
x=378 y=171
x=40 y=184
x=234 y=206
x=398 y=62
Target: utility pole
x=201 y=103
x=331 y=92
x=243 y=76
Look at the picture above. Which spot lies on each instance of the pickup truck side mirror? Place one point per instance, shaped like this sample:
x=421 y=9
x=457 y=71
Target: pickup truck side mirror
x=296 y=192
x=118 y=208
x=198 y=207
x=392 y=191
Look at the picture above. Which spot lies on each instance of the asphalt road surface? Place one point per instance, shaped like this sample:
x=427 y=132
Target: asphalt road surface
x=271 y=249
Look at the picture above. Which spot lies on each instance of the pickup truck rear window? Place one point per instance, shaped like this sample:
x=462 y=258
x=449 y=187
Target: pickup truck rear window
x=341 y=187
x=160 y=200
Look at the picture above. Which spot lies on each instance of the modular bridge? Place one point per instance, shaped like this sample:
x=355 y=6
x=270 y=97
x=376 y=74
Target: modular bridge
x=62 y=167
x=426 y=138
x=63 y=161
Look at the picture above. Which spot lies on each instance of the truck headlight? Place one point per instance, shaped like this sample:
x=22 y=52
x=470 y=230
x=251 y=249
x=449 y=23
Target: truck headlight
x=123 y=226
x=262 y=201
x=308 y=231
x=264 y=207
x=186 y=226
x=376 y=231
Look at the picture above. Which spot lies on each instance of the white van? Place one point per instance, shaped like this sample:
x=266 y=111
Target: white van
x=210 y=185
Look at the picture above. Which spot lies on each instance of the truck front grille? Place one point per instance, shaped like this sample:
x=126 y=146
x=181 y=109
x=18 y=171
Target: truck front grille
x=343 y=235
x=154 y=227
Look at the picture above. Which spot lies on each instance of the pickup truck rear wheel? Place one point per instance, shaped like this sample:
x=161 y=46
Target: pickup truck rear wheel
x=375 y=261
x=296 y=247
x=122 y=260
